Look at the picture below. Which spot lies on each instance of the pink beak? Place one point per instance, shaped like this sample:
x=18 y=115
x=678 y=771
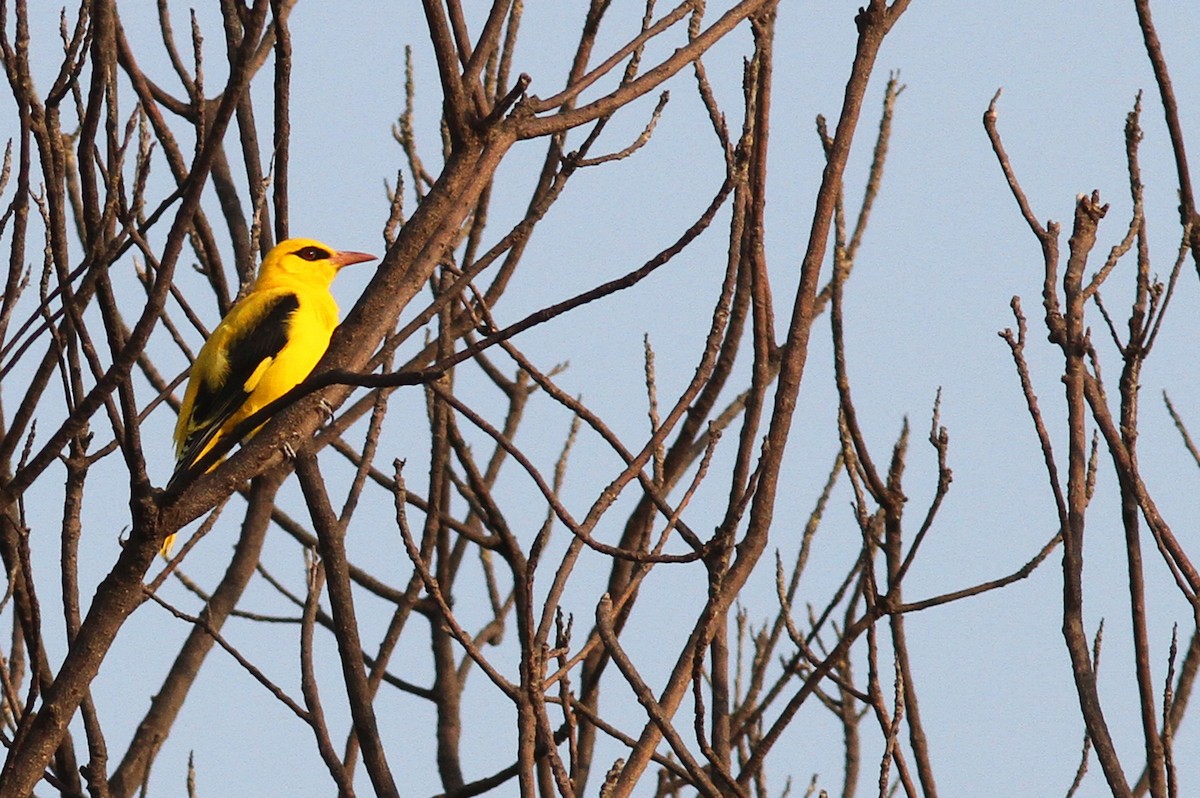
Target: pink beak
x=341 y=259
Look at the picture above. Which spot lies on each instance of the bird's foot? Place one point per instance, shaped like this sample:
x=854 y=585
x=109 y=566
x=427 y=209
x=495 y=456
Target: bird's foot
x=328 y=408
x=289 y=452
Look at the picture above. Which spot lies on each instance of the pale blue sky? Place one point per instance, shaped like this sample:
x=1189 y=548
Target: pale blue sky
x=945 y=252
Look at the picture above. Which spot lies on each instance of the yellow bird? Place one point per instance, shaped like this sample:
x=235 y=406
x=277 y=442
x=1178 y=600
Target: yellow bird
x=266 y=345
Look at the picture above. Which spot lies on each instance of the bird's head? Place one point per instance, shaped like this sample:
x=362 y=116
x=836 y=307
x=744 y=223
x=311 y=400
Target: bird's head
x=305 y=260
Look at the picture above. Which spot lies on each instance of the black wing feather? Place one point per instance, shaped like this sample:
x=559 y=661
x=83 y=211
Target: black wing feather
x=246 y=350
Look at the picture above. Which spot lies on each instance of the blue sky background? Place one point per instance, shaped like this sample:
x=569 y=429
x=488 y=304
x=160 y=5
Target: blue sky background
x=945 y=252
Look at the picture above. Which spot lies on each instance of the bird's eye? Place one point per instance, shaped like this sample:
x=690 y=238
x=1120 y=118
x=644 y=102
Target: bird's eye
x=313 y=253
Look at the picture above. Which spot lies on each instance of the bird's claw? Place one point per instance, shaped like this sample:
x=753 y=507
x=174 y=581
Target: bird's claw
x=289 y=452
x=328 y=408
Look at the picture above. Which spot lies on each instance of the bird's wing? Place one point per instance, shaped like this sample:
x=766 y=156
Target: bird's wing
x=244 y=345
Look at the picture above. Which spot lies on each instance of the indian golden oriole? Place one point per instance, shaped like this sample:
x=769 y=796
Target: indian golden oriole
x=268 y=342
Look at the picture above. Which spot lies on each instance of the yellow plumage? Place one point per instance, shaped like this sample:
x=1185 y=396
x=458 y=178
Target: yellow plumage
x=266 y=345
